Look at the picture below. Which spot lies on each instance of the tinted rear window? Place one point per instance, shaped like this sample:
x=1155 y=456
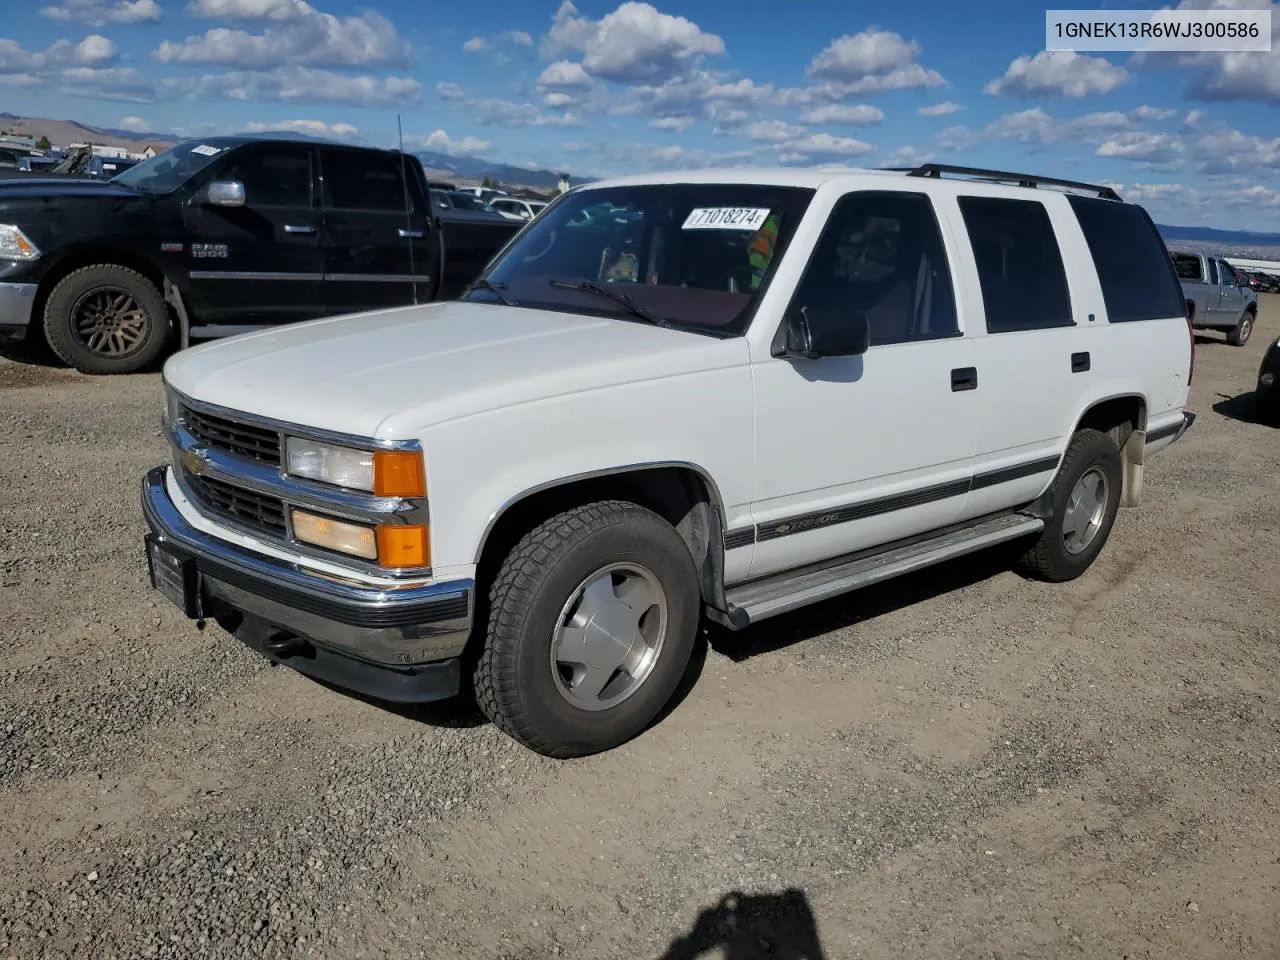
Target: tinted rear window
x=1137 y=277
x=1024 y=284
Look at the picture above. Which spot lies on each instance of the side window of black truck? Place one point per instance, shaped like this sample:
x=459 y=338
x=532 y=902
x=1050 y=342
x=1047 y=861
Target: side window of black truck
x=276 y=176
x=1024 y=284
x=1139 y=281
x=363 y=180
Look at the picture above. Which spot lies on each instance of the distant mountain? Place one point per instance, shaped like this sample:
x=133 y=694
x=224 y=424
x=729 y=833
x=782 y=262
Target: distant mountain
x=475 y=168
x=1212 y=235
x=64 y=132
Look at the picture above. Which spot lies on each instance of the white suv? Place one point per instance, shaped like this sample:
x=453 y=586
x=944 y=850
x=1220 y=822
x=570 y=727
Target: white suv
x=726 y=393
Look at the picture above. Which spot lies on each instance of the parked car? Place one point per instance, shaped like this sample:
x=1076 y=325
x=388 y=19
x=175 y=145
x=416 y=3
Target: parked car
x=1267 y=391
x=1215 y=298
x=517 y=209
x=217 y=236
x=751 y=392
x=1260 y=282
x=37 y=164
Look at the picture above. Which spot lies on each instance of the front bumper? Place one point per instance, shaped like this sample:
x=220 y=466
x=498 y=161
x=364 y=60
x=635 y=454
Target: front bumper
x=17 y=300
x=398 y=643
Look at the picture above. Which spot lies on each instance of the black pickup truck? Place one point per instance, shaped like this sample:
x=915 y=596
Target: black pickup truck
x=222 y=235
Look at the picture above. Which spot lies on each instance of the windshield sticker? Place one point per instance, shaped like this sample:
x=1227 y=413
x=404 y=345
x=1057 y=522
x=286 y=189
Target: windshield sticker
x=206 y=151
x=726 y=218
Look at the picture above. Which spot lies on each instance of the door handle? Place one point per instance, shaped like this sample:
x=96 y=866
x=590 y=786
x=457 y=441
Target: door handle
x=298 y=228
x=964 y=378
x=1080 y=362
x=415 y=234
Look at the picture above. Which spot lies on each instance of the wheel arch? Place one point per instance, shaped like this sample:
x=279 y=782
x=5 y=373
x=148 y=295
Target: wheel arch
x=91 y=255
x=1123 y=416
x=682 y=493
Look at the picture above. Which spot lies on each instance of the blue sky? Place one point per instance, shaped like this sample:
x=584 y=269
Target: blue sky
x=598 y=87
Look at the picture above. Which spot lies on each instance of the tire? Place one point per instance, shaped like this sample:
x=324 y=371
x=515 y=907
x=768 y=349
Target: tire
x=124 y=297
x=1239 y=336
x=1064 y=554
x=540 y=702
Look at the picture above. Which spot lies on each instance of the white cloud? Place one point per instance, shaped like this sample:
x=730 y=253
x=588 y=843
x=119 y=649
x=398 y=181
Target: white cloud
x=907 y=156
x=770 y=131
x=557 y=99
x=495 y=45
x=494 y=111
x=298 y=35
x=98 y=13
x=317 y=128
x=450 y=92
x=634 y=44
x=107 y=83
x=564 y=73
x=857 y=115
x=93 y=51
x=823 y=145
x=946 y=108
x=1062 y=73
x=134 y=124
x=1154 y=113
x=1035 y=126
x=277 y=10
x=872 y=61
x=301 y=85
x=441 y=142
x=475 y=45
x=1141 y=145
x=674 y=124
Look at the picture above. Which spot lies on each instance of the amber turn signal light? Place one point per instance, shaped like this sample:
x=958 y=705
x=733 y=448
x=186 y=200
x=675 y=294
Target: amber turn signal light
x=399 y=473
x=403 y=545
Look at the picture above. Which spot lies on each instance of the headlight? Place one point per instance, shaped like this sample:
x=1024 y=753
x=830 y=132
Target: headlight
x=16 y=245
x=387 y=473
x=392 y=545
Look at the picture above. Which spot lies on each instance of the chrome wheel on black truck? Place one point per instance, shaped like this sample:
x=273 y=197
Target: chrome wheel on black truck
x=592 y=621
x=106 y=319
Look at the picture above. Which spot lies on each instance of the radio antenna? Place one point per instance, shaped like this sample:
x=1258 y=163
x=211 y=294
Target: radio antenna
x=408 y=210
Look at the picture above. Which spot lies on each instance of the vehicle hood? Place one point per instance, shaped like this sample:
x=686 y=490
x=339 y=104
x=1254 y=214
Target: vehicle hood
x=392 y=373
x=52 y=186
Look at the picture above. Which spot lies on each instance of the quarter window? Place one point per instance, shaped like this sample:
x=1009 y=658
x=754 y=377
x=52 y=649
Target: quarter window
x=1131 y=261
x=1024 y=284
x=881 y=255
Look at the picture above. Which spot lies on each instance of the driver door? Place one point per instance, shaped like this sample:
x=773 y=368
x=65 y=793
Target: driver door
x=261 y=263
x=855 y=452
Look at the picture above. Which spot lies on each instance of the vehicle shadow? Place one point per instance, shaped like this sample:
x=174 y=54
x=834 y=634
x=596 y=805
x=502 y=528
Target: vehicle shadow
x=865 y=604
x=28 y=352
x=769 y=926
x=1242 y=407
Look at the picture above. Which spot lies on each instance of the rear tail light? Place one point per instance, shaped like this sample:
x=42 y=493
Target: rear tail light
x=1191 y=335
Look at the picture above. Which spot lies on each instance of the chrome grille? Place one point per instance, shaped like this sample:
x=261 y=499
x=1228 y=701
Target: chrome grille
x=233 y=437
x=246 y=508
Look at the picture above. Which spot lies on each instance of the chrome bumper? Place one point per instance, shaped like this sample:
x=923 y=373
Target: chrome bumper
x=396 y=627
x=16 y=303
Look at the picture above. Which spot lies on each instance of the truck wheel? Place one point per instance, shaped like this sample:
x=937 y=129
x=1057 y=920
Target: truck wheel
x=1240 y=335
x=1085 y=496
x=592 y=621
x=106 y=319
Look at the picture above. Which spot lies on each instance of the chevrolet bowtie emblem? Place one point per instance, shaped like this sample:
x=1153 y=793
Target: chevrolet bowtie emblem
x=194 y=460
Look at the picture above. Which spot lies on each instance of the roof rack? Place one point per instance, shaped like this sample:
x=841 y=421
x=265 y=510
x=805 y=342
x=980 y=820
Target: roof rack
x=936 y=170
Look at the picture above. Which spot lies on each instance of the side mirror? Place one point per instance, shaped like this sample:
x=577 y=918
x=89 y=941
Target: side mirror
x=811 y=333
x=225 y=193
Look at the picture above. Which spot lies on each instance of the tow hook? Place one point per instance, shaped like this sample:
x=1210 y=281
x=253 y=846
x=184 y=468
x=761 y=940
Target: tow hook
x=286 y=645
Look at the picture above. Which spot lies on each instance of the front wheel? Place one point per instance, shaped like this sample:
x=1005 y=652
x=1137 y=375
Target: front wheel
x=1086 y=497
x=106 y=319
x=593 y=617
x=1240 y=335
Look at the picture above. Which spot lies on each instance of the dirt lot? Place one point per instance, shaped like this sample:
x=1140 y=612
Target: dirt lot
x=965 y=764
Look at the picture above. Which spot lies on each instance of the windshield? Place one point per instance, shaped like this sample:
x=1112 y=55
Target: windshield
x=166 y=172
x=696 y=255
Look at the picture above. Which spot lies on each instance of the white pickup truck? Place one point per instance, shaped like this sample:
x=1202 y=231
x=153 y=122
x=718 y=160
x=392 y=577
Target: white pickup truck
x=722 y=393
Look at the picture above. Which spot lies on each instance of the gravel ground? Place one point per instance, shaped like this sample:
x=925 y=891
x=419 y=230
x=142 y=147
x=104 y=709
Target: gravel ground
x=961 y=764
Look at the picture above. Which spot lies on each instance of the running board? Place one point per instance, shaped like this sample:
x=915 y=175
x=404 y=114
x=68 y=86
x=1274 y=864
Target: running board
x=781 y=593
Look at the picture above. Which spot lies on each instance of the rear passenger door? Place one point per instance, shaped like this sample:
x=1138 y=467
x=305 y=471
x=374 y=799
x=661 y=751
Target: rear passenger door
x=856 y=452
x=377 y=237
x=1031 y=361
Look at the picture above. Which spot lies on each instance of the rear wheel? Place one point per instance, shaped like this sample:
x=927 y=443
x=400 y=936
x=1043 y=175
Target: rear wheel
x=106 y=319
x=592 y=621
x=1085 y=497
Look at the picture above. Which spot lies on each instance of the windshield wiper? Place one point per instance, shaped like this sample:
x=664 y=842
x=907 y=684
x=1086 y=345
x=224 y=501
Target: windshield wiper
x=617 y=296
x=496 y=286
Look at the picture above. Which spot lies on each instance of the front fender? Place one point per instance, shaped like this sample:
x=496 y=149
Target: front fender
x=479 y=466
